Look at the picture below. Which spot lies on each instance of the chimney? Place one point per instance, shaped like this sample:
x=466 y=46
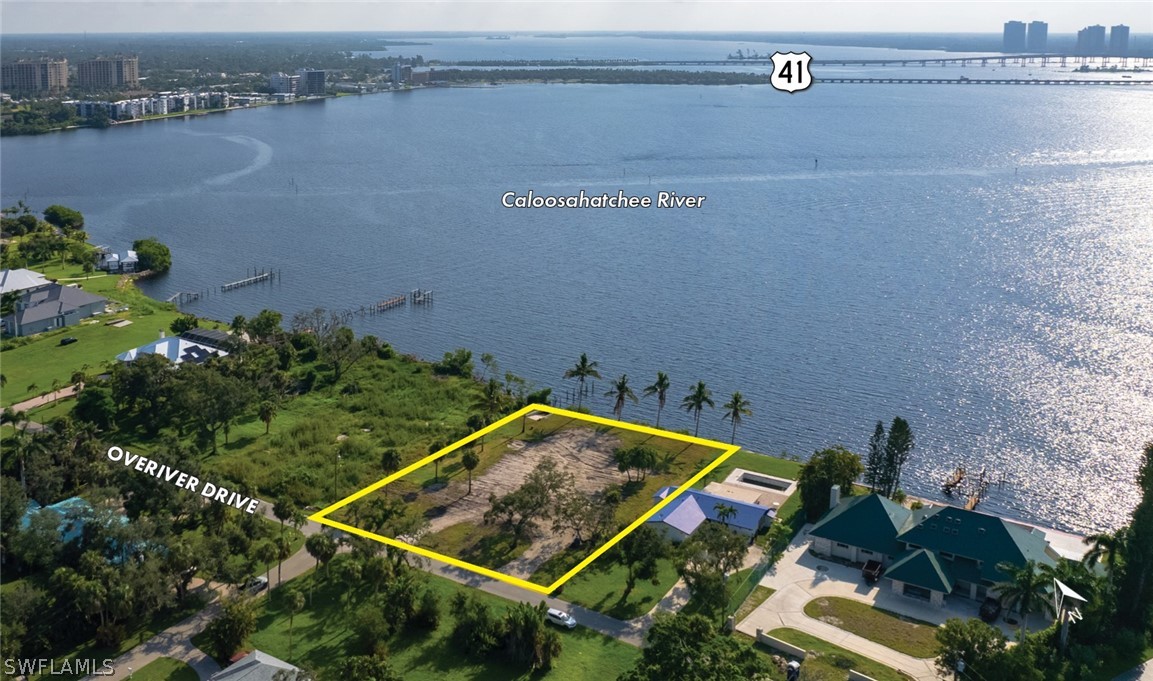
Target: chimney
x=834 y=496
x=162 y=333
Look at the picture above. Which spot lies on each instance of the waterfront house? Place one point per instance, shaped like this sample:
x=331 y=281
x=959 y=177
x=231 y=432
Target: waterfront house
x=176 y=349
x=50 y=307
x=931 y=552
x=119 y=263
x=694 y=507
x=212 y=338
x=15 y=281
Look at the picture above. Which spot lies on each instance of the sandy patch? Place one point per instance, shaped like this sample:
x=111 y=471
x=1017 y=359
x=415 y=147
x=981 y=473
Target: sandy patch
x=585 y=453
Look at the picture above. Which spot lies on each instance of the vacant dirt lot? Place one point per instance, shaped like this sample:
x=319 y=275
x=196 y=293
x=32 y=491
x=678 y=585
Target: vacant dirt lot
x=581 y=451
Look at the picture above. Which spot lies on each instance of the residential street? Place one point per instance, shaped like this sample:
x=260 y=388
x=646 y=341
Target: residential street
x=175 y=642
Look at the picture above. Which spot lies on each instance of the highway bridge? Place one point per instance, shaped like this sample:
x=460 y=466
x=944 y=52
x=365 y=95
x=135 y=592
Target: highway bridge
x=1059 y=60
x=984 y=81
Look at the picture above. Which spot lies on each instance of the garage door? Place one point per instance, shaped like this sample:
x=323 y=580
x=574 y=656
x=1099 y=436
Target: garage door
x=842 y=551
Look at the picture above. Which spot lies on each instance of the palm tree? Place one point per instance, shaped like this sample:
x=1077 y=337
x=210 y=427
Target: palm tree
x=491 y=401
x=1106 y=547
x=736 y=407
x=1026 y=590
x=661 y=390
x=695 y=401
x=583 y=369
x=295 y=601
x=621 y=391
x=470 y=461
x=725 y=513
x=266 y=412
x=390 y=461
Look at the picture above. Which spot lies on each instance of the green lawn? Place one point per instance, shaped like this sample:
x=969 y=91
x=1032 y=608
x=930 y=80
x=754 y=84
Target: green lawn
x=484 y=545
x=834 y=657
x=165 y=669
x=908 y=636
x=31 y=368
x=48 y=412
x=322 y=635
x=759 y=595
x=750 y=461
x=600 y=587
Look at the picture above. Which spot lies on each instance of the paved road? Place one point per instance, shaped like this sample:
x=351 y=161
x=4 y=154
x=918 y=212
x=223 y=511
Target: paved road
x=1140 y=673
x=48 y=398
x=175 y=642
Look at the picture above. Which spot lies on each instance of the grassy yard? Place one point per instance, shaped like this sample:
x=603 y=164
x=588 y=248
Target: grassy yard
x=322 y=635
x=750 y=461
x=908 y=636
x=40 y=360
x=759 y=595
x=484 y=545
x=834 y=658
x=601 y=585
x=165 y=669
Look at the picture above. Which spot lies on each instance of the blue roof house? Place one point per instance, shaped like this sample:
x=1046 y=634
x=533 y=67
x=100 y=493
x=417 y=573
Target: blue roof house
x=694 y=507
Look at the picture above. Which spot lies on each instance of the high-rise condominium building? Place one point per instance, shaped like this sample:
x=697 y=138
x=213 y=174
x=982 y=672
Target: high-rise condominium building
x=34 y=75
x=109 y=72
x=1014 y=37
x=311 y=82
x=1038 y=36
x=1119 y=40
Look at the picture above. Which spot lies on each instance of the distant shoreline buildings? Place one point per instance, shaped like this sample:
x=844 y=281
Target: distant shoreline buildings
x=106 y=73
x=35 y=75
x=1019 y=38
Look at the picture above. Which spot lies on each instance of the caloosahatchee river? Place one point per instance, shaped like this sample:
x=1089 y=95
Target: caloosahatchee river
x=976 y=260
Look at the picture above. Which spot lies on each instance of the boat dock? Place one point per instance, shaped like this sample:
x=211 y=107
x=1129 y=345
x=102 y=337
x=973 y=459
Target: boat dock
x=954 y=481
x=385 y=305
x=256 y=277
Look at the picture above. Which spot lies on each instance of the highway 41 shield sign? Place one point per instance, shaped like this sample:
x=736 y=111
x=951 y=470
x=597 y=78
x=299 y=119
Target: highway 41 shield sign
x=791 y=71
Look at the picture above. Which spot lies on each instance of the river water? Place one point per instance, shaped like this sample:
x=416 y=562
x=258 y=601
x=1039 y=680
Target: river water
x=974 y=259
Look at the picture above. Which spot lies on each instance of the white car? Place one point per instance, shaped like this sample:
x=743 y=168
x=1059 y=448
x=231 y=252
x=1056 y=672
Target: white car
x=560 y=618
x=256 y=585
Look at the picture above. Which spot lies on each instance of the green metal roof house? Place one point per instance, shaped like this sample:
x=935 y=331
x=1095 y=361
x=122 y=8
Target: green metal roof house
x=931 y=552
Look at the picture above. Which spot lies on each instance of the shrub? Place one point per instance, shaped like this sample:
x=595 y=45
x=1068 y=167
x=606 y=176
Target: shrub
x=427 y=615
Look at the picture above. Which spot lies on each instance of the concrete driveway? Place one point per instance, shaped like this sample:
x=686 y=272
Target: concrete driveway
x=799 y=577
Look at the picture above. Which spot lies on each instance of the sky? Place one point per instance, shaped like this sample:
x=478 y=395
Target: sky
x=147 y=16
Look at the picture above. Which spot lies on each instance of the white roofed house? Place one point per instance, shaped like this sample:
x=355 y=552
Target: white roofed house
x=176 y=349
x=14 y=281
x=257 y=666
x=124 y=262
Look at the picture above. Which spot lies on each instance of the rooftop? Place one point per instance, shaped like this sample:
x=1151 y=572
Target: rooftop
x=176 y=349
x=747 y=516
x=20 y=280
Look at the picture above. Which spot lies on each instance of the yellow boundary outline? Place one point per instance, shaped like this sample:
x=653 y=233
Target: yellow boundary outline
x=727 y=451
